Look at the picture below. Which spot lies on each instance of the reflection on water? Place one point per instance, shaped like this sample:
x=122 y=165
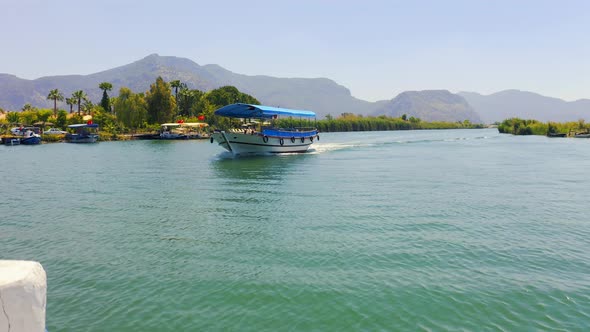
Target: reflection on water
x=268 y=169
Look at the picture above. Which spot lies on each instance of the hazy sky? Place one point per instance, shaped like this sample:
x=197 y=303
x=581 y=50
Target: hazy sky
x=377 y=49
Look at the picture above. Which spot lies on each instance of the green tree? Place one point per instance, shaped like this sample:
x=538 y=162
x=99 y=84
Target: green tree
x=160 y=103
x=176 y=84
x=75 y=119
x=28 y=117
x=56 y=96
x=220 y=97
x=27 y=107
x=105 y=102
x=79 y=96
x=106 y=120
x=71 y=102
x=228 y=95
x=44 y=115
x=88 y=105
x=62 y=118
x=12 y=117
x=404 y=117
x=187 y=102
x=131 y=109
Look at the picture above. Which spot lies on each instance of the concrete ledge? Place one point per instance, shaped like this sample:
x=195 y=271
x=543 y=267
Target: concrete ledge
x=23 y=291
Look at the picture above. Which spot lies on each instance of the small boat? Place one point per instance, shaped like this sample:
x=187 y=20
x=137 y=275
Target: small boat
x=171 y=131
x=30 y=137
x=264 y=139
x=24 y=135
x=83 y=133
x=582 y=135
x=556 y=135
x=183 y=130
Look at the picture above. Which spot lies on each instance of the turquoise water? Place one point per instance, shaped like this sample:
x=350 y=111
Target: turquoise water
x=404 y=230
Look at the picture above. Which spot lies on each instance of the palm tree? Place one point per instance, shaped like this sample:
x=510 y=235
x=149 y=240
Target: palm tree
x=105 y=102
x=105 y=86
x=55 y=95
x=79 y=96
x=176 y=84
x=71 y=102
x=88 y=105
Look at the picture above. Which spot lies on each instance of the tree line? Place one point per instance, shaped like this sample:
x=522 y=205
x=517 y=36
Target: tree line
x=131 y=111
x=354 y=122
x=516 y=126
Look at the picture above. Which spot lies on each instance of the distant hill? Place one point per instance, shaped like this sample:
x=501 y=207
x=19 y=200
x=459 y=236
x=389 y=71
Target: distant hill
x=526 y=105
x=321 y=95
x=429 y=105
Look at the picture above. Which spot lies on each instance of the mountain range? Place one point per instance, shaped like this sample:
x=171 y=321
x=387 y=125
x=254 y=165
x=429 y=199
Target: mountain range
x=322 y=95
x=429 y=105
x=526 y=105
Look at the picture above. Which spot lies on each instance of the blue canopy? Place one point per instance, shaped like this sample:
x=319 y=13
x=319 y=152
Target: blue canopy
x=259 y=111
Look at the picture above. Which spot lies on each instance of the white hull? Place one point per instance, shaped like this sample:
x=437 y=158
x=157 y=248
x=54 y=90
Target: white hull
x=240 y=144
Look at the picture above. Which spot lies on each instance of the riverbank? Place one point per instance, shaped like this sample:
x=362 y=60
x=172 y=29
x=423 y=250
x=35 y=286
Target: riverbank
x=516 y=126
x=108 y=137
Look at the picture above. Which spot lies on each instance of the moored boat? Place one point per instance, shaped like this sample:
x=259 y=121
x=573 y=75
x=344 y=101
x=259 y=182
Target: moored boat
x=556 y=135
x=83 y=133
x=582 y=135
x=27 y=135
x=183 y=130
x=264 y=139
x=30 y=138
x=171 y=131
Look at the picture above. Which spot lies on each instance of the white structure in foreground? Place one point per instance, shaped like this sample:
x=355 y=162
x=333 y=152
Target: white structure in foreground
x=23 y=289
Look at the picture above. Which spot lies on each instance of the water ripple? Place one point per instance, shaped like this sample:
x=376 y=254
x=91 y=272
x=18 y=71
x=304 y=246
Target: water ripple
x=419 y=230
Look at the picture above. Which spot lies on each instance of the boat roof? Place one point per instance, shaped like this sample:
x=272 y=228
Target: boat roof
x=80 y=125
x=195 y=124
x=185 y=124
x=240 y=110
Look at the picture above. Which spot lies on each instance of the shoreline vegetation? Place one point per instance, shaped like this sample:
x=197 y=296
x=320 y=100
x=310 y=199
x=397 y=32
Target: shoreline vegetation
x=130 y=113
x=516 y=126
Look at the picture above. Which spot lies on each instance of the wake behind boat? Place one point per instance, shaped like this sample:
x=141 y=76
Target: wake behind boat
x=257 y=138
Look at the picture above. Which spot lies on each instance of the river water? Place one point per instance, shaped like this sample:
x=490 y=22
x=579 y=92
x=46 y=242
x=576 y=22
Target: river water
x=400 y=230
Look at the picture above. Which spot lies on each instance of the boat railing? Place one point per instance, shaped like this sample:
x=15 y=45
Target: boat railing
x=289 y=132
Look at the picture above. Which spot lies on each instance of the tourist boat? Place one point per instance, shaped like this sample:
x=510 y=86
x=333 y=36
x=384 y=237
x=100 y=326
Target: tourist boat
x=170 y=131
x=261 y=139
x=183 y=130
x=30 y=136
x=83 y=133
